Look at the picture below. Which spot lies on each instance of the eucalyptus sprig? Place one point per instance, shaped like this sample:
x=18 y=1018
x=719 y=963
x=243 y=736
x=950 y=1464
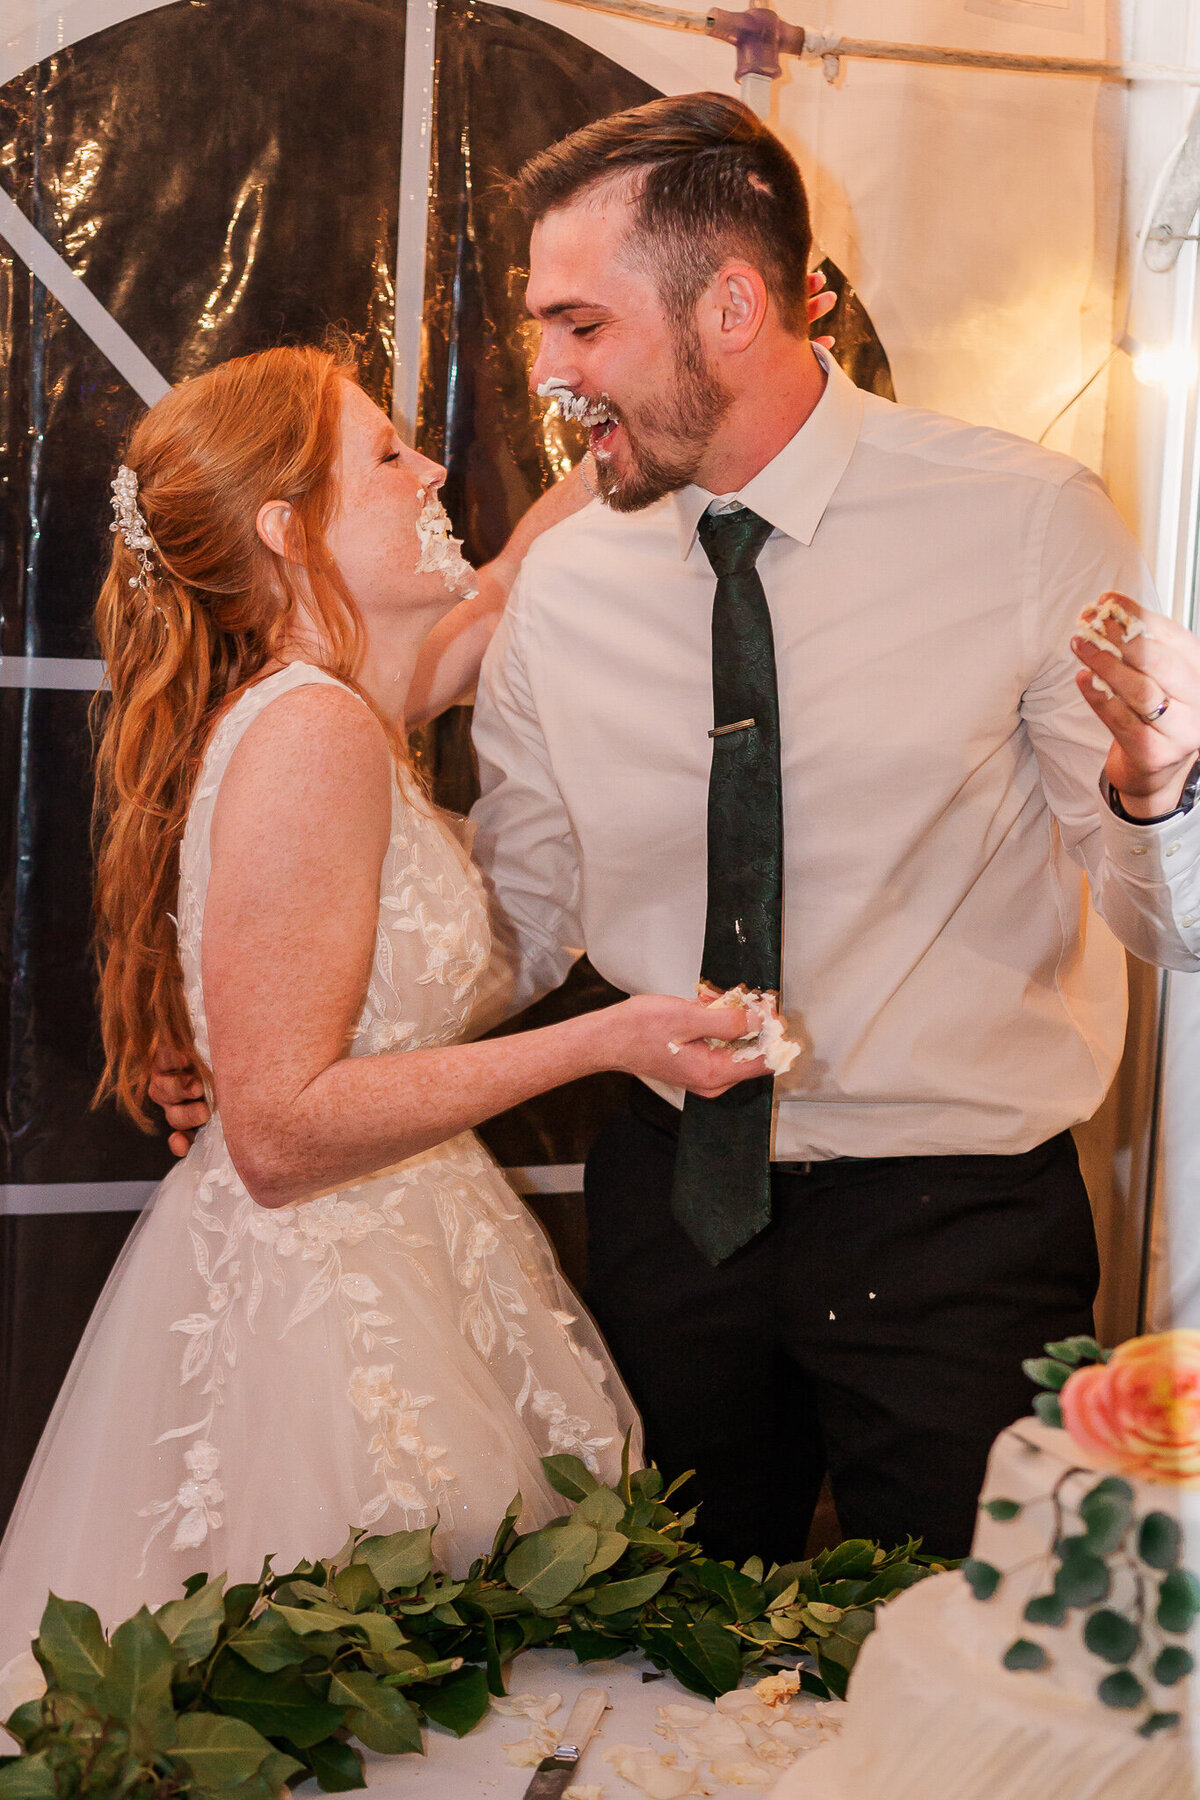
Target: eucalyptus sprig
x=236 y=1692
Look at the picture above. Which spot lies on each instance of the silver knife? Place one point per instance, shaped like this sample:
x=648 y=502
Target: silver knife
x=556 y=1771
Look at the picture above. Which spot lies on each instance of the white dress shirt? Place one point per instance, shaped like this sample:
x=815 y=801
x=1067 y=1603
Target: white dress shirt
x=942 y=962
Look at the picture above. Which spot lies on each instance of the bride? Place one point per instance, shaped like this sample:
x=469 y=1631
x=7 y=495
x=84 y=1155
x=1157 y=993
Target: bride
x=334 y=1312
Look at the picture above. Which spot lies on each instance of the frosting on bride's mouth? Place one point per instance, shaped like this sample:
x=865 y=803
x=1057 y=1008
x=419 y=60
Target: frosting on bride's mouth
x=600 y=415
x=441 y=554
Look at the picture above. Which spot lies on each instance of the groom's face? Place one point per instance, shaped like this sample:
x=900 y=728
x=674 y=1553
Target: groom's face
x=607 y=335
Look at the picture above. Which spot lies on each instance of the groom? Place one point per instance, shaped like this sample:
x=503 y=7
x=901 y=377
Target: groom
x=795 y=707
x=902 y=853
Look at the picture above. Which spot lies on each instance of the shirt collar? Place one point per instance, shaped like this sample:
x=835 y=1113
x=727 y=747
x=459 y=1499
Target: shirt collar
x=796 y=486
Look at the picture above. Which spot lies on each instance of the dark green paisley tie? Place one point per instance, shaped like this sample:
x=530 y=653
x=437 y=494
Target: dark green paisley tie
x=722 y=1185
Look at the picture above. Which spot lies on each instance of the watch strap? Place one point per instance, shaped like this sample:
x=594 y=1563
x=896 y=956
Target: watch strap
x=1187 y=799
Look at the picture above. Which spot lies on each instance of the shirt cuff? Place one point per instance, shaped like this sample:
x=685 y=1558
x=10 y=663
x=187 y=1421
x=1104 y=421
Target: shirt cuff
x=1163 y=855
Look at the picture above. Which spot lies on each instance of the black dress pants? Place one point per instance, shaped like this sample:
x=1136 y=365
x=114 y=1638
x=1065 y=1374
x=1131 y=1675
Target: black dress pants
x=875 y=1329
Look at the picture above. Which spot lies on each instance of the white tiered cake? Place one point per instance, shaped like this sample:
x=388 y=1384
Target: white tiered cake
x=936 y=1714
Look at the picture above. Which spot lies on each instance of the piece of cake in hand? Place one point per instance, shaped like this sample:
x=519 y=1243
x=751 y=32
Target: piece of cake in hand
x=766 y=1033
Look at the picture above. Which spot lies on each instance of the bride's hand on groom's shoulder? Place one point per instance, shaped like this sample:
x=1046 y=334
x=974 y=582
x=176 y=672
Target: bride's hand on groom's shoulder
x=661 y=1038
x=178 y=1089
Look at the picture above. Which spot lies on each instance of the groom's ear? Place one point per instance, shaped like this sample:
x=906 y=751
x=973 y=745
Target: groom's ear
x=275 y=525
x=734 y=307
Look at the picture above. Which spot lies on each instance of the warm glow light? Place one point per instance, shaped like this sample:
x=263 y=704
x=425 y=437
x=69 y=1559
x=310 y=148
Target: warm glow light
x=1171 y=368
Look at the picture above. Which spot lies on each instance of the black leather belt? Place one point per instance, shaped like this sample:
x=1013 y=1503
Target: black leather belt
x=652 y=1109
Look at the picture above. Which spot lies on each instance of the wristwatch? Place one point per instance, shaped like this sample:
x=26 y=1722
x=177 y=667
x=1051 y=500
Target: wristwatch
x=1191 y=789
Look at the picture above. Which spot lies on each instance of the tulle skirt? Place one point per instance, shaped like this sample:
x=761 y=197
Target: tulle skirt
x=258 y=1382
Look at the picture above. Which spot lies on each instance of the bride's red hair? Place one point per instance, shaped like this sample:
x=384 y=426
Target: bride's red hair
x=213 y=614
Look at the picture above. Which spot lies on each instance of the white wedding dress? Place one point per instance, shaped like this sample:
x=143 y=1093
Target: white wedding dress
x=259 y=1382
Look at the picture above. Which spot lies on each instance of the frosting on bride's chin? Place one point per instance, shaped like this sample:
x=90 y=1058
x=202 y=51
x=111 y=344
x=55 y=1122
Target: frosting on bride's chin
x=441 y=554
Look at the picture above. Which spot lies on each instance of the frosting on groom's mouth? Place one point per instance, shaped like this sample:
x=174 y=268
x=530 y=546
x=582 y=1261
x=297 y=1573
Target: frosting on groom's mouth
x=600 y=416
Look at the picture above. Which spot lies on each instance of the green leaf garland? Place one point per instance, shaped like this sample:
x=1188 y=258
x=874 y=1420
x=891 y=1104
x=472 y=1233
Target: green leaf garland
x=230 y=1695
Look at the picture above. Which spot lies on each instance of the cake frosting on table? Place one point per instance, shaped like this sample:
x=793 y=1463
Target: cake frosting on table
x=968 y=1690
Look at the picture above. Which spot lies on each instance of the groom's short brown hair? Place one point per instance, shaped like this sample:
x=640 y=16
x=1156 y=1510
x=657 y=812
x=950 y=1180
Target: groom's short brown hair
x=708 y=182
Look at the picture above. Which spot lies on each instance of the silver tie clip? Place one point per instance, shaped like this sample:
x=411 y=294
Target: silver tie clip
x=724 y=730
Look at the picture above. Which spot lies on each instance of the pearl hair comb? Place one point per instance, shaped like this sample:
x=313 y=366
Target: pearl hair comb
x=128 y=520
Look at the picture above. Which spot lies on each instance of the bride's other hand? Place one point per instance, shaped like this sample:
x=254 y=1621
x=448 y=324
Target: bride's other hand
x=178 y=1089
x=660 y=1038
x=820 y=301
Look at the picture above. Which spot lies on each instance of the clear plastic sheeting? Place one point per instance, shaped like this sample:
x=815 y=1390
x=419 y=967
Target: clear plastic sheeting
x=223 y=178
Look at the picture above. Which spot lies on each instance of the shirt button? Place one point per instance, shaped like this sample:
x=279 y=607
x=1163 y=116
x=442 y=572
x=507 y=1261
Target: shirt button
x=1188 y=919
x=1138 y=850
x=1173 y=848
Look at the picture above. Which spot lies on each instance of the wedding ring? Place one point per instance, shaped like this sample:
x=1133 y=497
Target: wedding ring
x=1157 y=713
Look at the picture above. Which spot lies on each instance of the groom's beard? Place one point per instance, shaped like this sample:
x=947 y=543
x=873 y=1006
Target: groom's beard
x=682 y=423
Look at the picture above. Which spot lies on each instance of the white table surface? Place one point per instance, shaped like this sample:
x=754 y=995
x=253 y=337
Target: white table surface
x=475 y=1767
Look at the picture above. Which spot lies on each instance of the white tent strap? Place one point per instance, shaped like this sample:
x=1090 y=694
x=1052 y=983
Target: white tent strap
x=824 y=47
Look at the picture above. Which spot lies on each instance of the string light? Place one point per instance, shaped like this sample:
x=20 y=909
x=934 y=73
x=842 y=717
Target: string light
x=1172 y=368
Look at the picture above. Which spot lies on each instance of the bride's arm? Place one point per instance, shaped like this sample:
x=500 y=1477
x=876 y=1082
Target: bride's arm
x=448 y=665
x=299 y=834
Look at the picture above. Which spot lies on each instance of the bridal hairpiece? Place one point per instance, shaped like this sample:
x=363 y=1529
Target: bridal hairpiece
x=128 y=520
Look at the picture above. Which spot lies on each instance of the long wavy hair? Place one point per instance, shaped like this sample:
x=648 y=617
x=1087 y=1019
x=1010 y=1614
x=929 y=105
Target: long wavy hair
x=215 y=611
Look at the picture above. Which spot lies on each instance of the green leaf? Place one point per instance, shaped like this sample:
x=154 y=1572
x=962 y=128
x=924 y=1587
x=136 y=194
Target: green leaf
x=845 y=1641
x=219 y=1753
x=1172 y=1664
x=570 y=1477
x=550 y=1564
x=743 y=1597
x=402 y=1560
x=1047 y=1372
x=1048 y=1410
x=1111 y=1635
x=137 y=1685
x=240 y=1602
x=336 y=1766
x=594 y=1646
x=611 y=1548
x=1160 y=1540
x=710 y=1654
x=1001 y=1510
x=1082 y=1579
x=193 y=1624
x=71 y=1642
x=1025 y=1655
x=356 y=1586
x=1122 y=1690
x=280 y=1704
x=26 y=1721
x=983 y=1578
x=625 y=1596
x=601 y=1508
x=379 y=1716
x=1158 y=1721
x=1045 y=1609
x=381 y=1632
x=458 y=1703
x=505 y=1532
x=854 y=1557
x=1076 y=1350
x=647 y=1484
x=28 y=1778
x=1178 y=1601
x=268 y=1642
x=1106 y=1511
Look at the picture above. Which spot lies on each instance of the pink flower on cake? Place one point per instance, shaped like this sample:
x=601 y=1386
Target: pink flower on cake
x=1139 y=1413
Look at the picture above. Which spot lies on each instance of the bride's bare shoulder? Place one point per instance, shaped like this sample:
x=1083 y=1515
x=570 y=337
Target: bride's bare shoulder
x=315 y=755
